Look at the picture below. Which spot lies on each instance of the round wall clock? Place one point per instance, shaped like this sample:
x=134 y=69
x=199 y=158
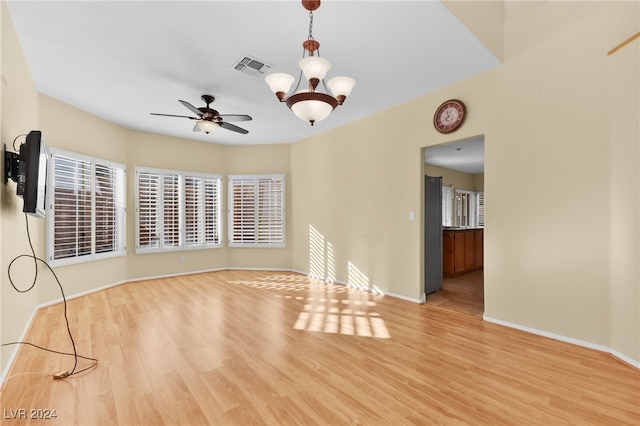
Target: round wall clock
x=449 y=116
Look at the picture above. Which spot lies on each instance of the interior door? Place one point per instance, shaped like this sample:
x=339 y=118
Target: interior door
x=432 y=234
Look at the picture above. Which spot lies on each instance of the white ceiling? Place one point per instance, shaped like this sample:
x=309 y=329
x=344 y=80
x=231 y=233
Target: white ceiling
x=122 y=60
x=465 y=156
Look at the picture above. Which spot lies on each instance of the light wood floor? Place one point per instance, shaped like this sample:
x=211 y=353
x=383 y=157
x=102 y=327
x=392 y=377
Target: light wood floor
x=464 y=293
x=249 y=347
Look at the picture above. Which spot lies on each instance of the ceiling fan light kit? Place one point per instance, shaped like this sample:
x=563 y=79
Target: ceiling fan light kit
x=208 y=119
x=207 y=126
x=311 y=105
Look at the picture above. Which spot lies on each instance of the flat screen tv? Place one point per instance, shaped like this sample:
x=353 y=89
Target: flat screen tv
x=28 y=169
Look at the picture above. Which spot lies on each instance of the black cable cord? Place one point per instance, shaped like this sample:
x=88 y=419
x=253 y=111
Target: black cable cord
x=35 y=261
x=64 y=300
x=73 y=354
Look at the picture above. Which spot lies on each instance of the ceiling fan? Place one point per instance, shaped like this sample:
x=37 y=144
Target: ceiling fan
x=208 y=119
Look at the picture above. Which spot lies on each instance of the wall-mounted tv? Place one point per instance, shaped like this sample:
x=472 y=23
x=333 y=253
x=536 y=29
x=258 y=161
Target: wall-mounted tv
x=28 y=169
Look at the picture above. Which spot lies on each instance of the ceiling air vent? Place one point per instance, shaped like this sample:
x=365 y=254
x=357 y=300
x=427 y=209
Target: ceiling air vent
x=251 y=66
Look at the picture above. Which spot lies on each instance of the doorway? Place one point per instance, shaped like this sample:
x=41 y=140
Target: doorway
x=462 y=294
x=460 y=164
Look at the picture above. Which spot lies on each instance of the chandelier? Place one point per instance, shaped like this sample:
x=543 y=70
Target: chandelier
x=310 y=104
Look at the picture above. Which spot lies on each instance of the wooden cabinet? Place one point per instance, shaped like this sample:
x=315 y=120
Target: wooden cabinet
x=479 y=248
x=462 y=251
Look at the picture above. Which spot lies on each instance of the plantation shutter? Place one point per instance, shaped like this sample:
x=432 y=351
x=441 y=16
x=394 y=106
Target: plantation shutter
x=480 y=208
x=148 y=209
x=257 y=211
x=171 y=210
x=243 y=217
x=177 y=210
x=212 y=195
x=447 y=201
x=270 y=210
x=72 y=208
x=194 y=210
x=462 y=209
x=109 y=208
x=87 y=212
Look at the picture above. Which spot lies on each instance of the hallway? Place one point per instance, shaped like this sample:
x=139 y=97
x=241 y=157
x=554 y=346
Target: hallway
x=464 y=293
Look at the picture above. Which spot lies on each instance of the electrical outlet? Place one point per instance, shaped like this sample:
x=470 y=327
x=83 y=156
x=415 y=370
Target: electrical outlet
x=181 y=259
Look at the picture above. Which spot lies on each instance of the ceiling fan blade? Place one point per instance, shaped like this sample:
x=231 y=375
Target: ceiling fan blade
x=196 y=128
x=235 y=117
x=191 y=107
x=233 y=127
x=172 y=115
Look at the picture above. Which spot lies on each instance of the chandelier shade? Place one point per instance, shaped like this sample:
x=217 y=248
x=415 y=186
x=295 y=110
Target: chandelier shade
x=310 y=104
x=279 y=82
x=314 y=67
x=341 y=87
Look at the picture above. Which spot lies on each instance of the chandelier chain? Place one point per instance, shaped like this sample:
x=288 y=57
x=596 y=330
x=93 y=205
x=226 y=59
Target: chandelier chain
x=310 y=26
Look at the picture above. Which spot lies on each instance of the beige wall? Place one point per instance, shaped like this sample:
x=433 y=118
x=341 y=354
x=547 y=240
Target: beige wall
x=18 y=115
x=553 y=273
x=623 y=69
x=353 y=189
x=459 y=180
x=485 y=20
x=553 y=116
x=544 y=114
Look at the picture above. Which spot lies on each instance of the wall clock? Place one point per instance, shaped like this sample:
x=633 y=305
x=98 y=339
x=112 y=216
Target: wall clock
x=449 y=116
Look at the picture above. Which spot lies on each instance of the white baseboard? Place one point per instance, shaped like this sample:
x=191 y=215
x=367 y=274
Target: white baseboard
x=400 y=296
x=14 y=353
x=624 y=358
x=77 y=295
x=344 y=283
x=179 y=274
x=240 y=268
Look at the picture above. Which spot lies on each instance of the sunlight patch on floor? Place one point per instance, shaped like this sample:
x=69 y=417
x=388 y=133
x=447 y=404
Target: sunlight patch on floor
x=330 y=317
x=351 y=314
x=327 y=307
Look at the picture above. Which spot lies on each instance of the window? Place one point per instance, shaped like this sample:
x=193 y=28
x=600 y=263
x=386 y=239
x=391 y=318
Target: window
x=447 y=206
x=87 y=214
x=177 y=210
x=461 y=208
x=256 y=211
x=480 y=209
